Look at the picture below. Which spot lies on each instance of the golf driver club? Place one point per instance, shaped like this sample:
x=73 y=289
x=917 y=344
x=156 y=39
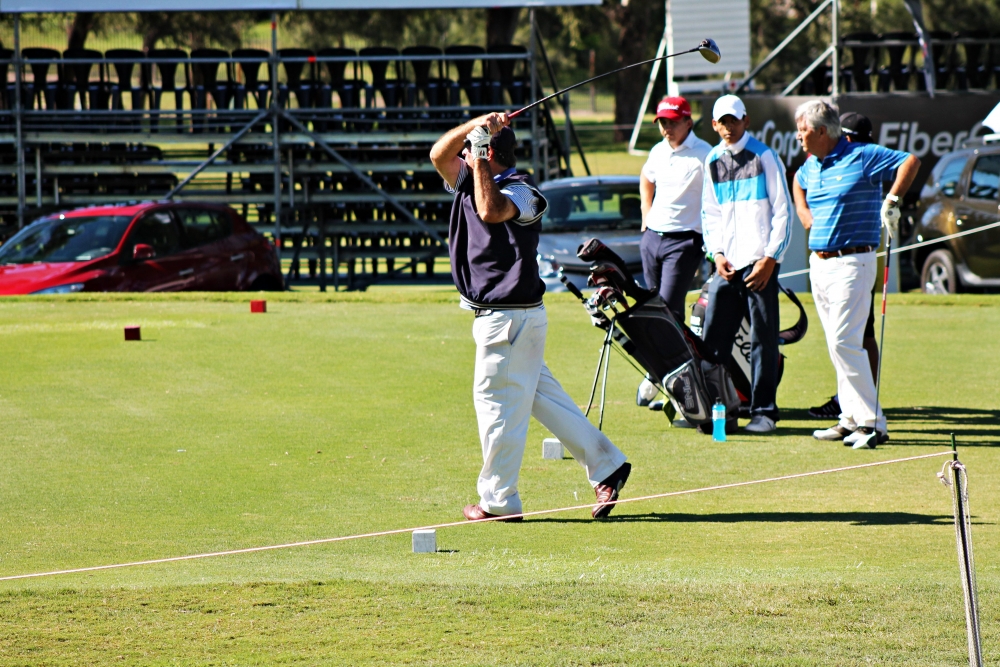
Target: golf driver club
x=872 y=441
x=708 y=49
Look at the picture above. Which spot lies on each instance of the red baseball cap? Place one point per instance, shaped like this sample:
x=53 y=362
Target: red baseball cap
x=673 y=108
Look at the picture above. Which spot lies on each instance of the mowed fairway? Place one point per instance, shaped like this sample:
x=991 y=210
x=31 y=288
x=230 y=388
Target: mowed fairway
x=349 y=413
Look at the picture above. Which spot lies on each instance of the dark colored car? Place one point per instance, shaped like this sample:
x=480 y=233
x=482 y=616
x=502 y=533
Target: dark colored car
x=149 y=247
x=606 y=207
x=962 y=194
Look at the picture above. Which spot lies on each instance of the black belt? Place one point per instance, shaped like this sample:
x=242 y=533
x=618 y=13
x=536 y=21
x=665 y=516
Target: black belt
x=823 y=254
x=482 y=312
x=689 y=234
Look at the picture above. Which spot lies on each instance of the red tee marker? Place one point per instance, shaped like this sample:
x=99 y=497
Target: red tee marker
x=132 y=333
x=258 y=306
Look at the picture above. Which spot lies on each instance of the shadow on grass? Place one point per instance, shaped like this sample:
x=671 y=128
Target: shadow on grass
x=921 y=421
x=853 y=518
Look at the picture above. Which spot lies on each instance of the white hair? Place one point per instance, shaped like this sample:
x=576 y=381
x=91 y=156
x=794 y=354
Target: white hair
x=818 y=113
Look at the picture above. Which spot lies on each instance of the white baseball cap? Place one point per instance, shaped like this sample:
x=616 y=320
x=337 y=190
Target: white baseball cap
x=728 y=105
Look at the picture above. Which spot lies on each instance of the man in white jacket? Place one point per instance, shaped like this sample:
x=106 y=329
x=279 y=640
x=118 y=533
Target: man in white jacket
x=745 y=217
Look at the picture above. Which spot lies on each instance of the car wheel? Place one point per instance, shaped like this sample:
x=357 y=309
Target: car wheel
x=938 y=275
x=266 y=283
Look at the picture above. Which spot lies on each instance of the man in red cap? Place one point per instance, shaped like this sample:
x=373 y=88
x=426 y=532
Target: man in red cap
x=671 y=190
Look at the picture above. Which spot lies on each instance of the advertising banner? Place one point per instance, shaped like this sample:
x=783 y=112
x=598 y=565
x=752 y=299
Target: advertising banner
x=927 y=127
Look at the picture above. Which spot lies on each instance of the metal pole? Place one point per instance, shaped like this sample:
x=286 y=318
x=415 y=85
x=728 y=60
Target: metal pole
x=322 y=249
x=835 y=41
x=38 y=177
x=19 y=139
x=211 y=158
x=781 y=47
x=569 y=138
x=361 y=176
x=291 y=182
x=275 y=139
x=968 y=571
x=534 y=87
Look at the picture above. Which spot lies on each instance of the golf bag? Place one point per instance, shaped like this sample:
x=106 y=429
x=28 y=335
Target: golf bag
x=739 y=366
x=670 y=353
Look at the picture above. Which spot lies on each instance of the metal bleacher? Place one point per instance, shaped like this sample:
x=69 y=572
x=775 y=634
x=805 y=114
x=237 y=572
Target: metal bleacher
x=325 y=151
x=966 y=60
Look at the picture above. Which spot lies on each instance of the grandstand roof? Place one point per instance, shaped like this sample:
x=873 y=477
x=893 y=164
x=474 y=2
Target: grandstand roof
x=35 y=6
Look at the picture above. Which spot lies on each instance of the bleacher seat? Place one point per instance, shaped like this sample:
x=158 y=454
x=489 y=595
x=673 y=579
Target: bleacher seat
x=168 y=82
x=40 y=92
x=864 y=59
x=897 y=75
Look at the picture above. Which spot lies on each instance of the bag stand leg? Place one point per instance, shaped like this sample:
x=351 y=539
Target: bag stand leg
x=601 y=361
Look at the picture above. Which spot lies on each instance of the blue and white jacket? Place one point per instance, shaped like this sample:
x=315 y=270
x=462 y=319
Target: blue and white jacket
x=745 y=206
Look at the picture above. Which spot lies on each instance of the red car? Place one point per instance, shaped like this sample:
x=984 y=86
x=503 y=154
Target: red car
x=148 y=247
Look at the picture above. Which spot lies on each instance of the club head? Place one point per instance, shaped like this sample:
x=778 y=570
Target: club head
x=709 y=50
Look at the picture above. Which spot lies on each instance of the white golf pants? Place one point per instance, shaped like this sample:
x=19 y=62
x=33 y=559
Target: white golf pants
x=512 y=383
x=841 y=288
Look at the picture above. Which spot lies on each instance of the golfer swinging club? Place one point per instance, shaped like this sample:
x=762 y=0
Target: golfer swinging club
x=492 y=241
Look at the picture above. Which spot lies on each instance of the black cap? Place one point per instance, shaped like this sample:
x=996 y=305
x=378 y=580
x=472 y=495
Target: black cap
x=504 y=141
x=857 y=127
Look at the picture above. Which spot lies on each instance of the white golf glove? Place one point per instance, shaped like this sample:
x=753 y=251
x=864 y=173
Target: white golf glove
x=479 y=139
x=890 y=215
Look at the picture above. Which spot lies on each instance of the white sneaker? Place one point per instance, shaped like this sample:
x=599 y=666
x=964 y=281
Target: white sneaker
x=866 y=438
x=760 y=424
x=835 y=432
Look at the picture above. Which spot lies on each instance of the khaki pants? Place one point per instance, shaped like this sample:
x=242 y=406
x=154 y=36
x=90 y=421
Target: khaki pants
x=513 y=383
x=842 y=290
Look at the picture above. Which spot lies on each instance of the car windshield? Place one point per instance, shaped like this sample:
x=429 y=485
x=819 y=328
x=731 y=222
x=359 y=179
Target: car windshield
x=592 y=208
x=65 y=239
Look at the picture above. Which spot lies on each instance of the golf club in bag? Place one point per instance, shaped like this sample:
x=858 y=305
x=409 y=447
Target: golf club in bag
x=664 y=349
x=739 y=366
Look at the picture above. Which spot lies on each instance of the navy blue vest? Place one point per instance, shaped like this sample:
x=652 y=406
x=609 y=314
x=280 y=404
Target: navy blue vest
x=494 y=265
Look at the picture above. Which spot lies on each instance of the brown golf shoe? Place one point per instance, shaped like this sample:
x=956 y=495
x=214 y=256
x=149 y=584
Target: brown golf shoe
x=476 y=513
x=608 y=490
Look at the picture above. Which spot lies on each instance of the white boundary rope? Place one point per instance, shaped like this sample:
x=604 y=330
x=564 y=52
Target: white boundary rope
x=895 y=251
x=455 y=524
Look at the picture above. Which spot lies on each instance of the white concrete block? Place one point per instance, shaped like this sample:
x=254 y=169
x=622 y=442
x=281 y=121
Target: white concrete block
x=424 y=541
x=552 y=449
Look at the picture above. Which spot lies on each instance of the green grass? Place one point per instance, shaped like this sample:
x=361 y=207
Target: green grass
x=343 y=413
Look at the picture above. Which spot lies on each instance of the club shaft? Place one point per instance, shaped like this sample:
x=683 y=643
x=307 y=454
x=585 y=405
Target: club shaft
x=881 y=338
x=595 y=78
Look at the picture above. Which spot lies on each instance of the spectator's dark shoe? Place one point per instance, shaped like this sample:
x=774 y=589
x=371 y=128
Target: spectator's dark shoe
x=608 y=490
x=656 y=405
x=476 y=513
x=828 y=410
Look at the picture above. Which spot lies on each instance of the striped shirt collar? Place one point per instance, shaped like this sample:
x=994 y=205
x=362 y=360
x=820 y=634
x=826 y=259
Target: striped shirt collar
x=735 y=149
x=505 y=175
x=838 y=150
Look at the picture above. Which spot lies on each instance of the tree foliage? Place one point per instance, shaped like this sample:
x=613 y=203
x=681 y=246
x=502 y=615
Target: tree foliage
x=619 y=32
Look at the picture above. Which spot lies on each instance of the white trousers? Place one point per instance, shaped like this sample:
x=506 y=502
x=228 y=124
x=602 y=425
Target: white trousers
x=841 y=288
x=512 y=383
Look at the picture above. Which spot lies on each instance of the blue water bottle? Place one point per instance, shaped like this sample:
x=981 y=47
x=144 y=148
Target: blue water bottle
x=719 y=421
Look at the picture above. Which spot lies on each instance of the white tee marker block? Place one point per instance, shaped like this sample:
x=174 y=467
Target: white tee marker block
x=552 y=449
x=424 y=541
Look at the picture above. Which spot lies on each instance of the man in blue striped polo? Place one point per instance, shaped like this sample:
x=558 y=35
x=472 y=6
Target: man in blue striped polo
x=745 y=217
x=842 y=182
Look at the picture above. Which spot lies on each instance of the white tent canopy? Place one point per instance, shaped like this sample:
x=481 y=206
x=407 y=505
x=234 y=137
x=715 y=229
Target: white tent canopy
x=37 y=6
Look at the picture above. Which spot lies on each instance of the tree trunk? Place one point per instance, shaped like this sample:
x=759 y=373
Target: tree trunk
x=634 y=21
x=501 y=24
x=77 y=37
